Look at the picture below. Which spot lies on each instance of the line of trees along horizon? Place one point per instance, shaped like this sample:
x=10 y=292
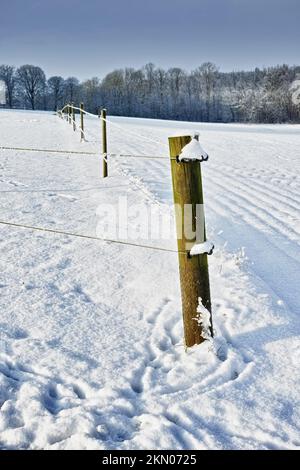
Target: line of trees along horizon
x=205 y=94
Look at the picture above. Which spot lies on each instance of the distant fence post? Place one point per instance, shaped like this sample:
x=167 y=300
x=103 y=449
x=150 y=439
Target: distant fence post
x=104 y=143
x=194 y=277
x=81 y=123
x=73 y=118
x=69 y=114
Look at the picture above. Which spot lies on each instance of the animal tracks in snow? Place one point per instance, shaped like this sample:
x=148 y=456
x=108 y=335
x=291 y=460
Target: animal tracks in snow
x=162 y=373
x=22 y=389
x=14 y=183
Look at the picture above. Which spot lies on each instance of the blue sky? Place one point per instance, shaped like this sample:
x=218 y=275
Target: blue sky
x=89 y=38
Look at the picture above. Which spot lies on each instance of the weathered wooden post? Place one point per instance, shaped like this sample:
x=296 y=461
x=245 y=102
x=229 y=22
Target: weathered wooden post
x=81 y=123
x=73 y=118
x=69 y=114
x=194 y=277
x=104 y=143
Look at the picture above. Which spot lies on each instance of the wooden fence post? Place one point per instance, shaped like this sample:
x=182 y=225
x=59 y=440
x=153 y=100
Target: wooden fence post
x=194 y=277
x=104 y=143
x=69 y=114
x=81 y=123
x=73 y=118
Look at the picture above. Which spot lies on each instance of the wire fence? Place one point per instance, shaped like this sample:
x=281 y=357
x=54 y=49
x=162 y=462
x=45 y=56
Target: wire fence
x=24 y=149
x=90 y=237
x=118 y=126
x=84 y=152
x=121 y=154
x=187 y=189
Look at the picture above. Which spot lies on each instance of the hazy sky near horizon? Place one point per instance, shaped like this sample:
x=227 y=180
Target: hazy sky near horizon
x=87 y=38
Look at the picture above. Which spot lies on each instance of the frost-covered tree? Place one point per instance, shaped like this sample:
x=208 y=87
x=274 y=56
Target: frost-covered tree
x=207 y=74
x=91 y=94
x=204 y=94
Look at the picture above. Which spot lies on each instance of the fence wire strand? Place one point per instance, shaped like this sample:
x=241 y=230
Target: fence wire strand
x=89 y=237
x=24 y=149
x=105 y=156
x=83 y=152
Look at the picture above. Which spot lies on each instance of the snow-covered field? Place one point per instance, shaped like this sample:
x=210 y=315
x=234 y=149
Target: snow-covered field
x=91 y=347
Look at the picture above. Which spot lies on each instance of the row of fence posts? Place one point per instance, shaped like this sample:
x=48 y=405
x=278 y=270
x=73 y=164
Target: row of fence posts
x=187 y=190
x=70 y=116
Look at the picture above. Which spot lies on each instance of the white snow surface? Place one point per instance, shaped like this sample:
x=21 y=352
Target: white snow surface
x=200 y=248
x=204 y=319
x=193 y=151
x=91 y=348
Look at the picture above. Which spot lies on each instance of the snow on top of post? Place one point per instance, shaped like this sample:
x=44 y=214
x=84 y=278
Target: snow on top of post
x=193 y=151
x=201 y=248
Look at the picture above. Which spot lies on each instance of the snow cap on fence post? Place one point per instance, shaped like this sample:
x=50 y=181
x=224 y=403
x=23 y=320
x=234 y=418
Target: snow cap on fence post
x=193 y=151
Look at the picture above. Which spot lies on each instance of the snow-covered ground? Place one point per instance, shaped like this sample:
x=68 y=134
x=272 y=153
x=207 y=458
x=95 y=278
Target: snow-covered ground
x=91 y=347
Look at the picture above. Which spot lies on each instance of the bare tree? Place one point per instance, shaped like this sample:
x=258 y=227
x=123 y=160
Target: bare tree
x=56 y=89
x=204 y=94
x=71 y=89
x=32 y=82
x=207 y=73
x=7 y=74
x=91 y=94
